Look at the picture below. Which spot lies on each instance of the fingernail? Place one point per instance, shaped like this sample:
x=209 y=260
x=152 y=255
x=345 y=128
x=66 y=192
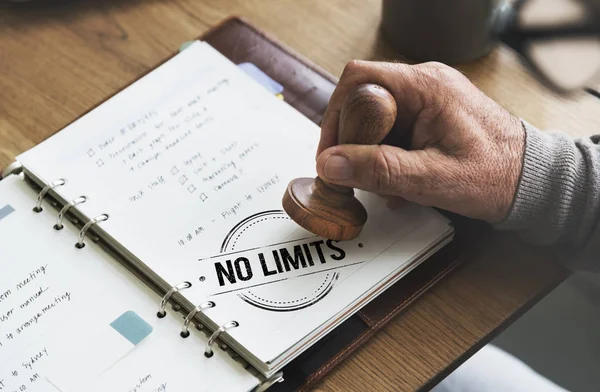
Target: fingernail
x=337 y=168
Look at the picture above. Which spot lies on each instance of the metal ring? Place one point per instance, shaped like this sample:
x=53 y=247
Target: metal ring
x=63 y=211
x=40 y=198
x=163 y=303
x=84 y=229
x=209 y=352
x=186 y=323
x=269 y=382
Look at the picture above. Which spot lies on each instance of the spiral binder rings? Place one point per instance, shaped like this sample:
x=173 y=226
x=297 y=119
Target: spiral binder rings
x=69 y=211
x=45 y=189
x=82 y=199
x=247 y=276
x=184 y=330
x=163 y=303
x=232 y=324
x=63 y=211
x=85 y=228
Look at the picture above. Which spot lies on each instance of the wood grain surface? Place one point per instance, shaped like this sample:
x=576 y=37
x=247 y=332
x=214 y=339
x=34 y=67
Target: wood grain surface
x=57 y=59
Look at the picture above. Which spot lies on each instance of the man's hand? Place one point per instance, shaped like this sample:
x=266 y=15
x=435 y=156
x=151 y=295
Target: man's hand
x=465 y=154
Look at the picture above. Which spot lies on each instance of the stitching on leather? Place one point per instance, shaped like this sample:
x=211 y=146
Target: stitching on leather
x=372 y=330
x=366 y=317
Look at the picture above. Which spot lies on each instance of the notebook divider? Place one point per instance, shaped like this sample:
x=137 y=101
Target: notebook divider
x=75 y=217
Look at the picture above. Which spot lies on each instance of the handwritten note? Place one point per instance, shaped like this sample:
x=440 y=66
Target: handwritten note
x=180 y=156
x=232 y=211
x=28 y=301
x=190 y=163
x=36 y=297
x=145 y=140
x=25 y=376
x=44 y=286
x=175 y=363
x=58 y=307
x=146 y=383
x=166 y=135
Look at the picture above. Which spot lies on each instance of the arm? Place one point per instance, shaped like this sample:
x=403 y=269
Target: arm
x=557 y=201
x=470 y=156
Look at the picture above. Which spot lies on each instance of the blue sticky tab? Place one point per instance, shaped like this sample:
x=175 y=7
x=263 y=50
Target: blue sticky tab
x=132 y=327
x=261 y=77
x=6 y=211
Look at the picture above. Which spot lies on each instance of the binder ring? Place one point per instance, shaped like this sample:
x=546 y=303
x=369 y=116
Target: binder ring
x=52 y=185
x=269 y=382
x=163 y=303
x=84 y=229
x=63 y=211
x=209 y=352
x=186 y=323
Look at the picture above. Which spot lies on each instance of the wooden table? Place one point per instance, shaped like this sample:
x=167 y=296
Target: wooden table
x=57 y=61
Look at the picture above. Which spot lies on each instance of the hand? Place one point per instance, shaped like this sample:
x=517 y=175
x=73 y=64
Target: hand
x=465 y=153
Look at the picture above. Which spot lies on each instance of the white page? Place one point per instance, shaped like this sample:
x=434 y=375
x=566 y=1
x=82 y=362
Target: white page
x=63 y=301
x=283 y=312
x=232 y=161
x=248 y=147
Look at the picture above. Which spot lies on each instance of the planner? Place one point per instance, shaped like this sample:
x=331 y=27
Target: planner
x=145 y=242
x=74 y=321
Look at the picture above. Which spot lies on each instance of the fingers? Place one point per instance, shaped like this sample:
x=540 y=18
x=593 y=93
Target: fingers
x=380 y=169
x=329 y=130
x=398 y=79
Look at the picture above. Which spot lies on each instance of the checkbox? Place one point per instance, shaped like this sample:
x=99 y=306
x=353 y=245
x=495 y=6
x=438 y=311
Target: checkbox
x=203 y=196
x=100 y=162
x=174 y=170
x=183 y=179
x=191 y=188
x=91 y=153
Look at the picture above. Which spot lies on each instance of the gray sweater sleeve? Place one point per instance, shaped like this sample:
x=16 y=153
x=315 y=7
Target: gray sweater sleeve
x=557 y=202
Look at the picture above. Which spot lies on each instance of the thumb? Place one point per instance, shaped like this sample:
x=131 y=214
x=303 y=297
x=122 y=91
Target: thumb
x=381 y=169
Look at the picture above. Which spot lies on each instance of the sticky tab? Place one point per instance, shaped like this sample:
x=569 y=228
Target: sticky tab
x=261 y=77
x=132 y=327
x=6 y=211
x=83 y=354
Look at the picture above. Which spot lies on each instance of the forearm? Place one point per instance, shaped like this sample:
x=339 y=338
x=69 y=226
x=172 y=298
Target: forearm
x=558 y=197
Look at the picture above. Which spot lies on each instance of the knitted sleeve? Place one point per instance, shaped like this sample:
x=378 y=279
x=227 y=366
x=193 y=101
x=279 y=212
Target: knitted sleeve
x=557 y=202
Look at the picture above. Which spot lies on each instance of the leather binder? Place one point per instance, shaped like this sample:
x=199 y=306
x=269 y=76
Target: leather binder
x=308 y=88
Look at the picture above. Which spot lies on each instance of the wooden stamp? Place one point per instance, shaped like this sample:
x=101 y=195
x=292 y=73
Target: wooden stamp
x=332 y=211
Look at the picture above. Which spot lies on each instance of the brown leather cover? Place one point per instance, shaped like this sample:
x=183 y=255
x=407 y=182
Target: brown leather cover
x=308 y=88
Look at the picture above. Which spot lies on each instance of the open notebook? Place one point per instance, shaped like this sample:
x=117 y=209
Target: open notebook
x=78 y=321
x=182 y=174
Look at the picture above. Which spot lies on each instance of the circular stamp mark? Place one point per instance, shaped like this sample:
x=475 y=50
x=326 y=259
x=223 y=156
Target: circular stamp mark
x=288 y=294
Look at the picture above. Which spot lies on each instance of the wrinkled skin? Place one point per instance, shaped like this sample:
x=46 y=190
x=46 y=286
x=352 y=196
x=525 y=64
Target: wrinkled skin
x=465 y=153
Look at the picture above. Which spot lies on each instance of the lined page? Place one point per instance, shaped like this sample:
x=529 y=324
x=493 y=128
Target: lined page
x=191 y=163
x=65 y=314
x=178 y=157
